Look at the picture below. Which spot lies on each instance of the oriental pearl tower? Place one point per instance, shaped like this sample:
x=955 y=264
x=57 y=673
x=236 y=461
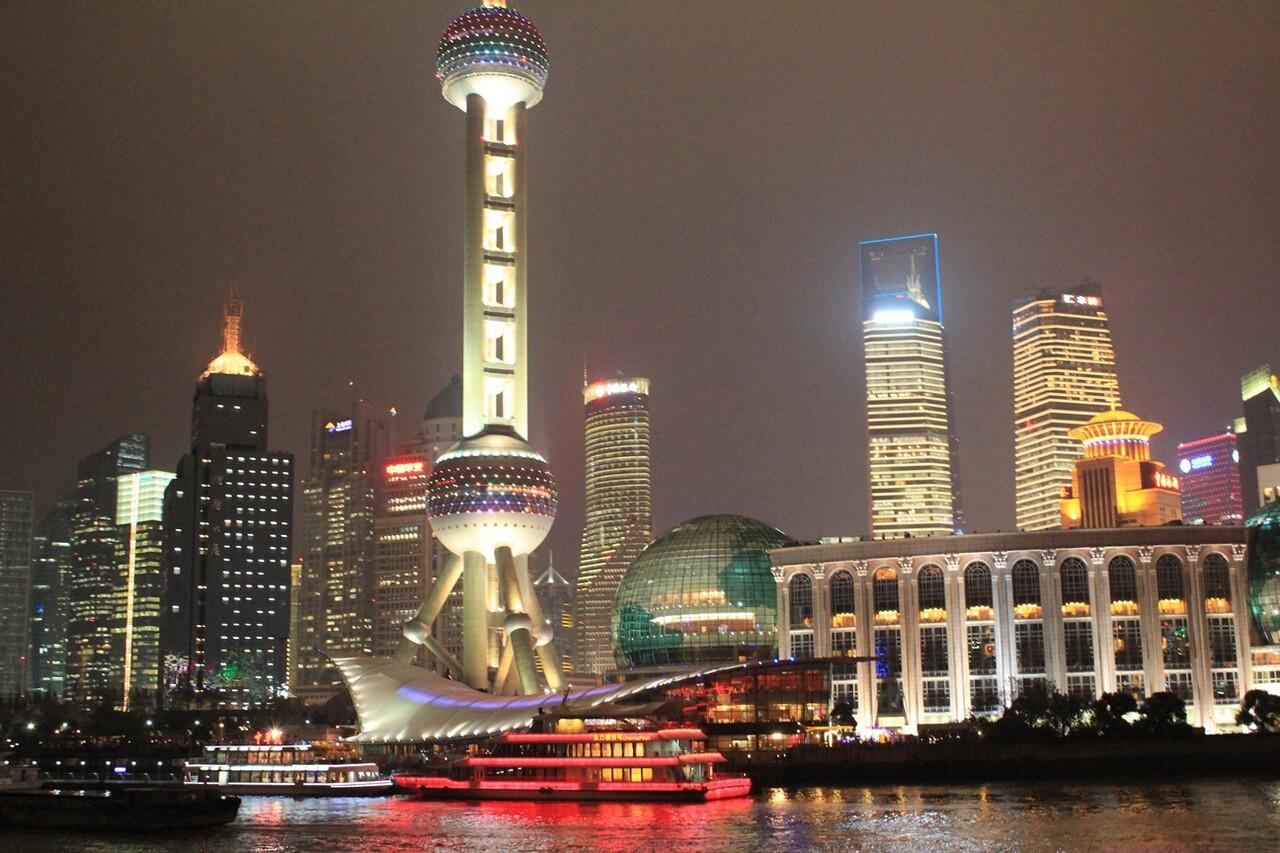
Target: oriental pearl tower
x=491 y=497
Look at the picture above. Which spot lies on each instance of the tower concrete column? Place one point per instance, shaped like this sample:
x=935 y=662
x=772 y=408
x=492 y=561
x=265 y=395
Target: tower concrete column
x=475 y=620
x=520 y=375
x=473 y=270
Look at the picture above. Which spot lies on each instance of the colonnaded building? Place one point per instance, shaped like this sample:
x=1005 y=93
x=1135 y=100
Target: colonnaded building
x=961 y=624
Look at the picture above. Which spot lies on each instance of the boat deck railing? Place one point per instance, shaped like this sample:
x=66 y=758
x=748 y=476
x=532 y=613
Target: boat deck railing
x=112 y=778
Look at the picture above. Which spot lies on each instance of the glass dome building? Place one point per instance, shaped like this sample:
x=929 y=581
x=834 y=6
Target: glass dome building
x=700 y=593
x=1264 y=571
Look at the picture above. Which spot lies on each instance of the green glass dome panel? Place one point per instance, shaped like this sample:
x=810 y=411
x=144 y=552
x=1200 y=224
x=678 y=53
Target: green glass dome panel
x=1264 y=571
x=700 y=593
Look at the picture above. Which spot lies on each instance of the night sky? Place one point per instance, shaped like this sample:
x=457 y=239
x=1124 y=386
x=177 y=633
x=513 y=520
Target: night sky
x=700 y=176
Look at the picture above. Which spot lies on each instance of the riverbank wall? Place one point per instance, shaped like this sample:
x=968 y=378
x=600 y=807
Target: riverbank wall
x=979 y=760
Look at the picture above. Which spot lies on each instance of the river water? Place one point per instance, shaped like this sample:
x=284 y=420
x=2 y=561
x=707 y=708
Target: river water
x=1240 y=815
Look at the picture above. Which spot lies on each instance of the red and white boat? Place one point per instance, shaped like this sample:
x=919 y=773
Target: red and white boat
x=628 y=764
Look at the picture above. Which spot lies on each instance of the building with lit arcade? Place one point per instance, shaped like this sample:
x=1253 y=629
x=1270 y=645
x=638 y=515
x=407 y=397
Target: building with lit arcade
x=962 y=623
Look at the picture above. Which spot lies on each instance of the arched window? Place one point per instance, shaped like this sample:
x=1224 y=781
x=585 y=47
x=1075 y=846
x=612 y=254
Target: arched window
x=933 y=589
x=1026 y=583
x=1217 y=584
x=842 y=601
x=977 y=591
x=801 y=601
x=1169 y=578
x=1124 y=586
x=1074 y=577
x=884 y=591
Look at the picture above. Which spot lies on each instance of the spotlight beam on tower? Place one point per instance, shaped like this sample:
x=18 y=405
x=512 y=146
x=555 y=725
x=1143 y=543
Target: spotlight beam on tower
x=492 y=499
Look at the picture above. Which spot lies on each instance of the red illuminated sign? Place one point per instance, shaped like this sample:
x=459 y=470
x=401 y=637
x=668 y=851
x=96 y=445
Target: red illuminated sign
x=402 y=468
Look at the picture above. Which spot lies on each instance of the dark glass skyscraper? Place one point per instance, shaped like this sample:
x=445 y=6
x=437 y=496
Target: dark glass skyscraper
x=15 y=582
x=228 y=524
x=90 y=593
x=50 y=581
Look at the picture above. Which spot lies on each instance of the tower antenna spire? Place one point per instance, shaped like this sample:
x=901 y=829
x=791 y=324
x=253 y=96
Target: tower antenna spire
x=231 y=314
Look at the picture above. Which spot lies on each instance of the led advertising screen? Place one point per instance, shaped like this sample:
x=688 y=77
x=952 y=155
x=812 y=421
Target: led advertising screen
x=901 y=274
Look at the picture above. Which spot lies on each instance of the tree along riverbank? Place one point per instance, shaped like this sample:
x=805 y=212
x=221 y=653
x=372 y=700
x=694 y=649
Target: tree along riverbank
x=981 y=760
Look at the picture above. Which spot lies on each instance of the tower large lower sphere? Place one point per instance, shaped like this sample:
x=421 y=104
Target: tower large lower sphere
x=489 y=491
x=491 y=498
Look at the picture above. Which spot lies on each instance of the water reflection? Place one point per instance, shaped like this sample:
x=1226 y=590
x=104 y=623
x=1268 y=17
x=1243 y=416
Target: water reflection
x=1241 y=815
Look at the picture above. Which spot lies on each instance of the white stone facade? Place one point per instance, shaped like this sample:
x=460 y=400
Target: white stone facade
x=1179 y=620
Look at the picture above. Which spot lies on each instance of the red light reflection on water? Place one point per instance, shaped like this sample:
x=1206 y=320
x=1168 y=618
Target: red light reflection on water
x=270 y=812
x=609 y=826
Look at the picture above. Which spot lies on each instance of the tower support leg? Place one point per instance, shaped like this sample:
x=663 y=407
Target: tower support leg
x=504 y=669
x=547 y=654
x=518 y=625
x=475 y=620
x=417 y=631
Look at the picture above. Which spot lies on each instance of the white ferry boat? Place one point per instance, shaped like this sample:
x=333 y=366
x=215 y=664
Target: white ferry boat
x=300 y=770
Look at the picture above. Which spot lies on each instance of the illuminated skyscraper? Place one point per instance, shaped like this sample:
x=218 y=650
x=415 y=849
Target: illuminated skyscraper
x=228 y=523
x=619 y=510
x=491 y=496
x=135 y=621
x=1259 y=437
x=402 y=547
x=15 y=584
x=50 y=581
x=912 y=447
x=1211 y=480
x=1064 y=373
x=339 y=503
x=94 y=576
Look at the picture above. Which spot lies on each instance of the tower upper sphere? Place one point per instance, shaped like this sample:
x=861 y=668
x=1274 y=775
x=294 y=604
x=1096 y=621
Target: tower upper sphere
x=494 y=52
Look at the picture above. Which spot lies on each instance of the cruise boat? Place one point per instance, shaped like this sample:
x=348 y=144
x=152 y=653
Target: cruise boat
x=303 y=769
x=612 y=764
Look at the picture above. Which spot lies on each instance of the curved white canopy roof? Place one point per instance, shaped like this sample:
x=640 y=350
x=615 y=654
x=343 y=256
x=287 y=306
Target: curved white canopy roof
x=399 y=702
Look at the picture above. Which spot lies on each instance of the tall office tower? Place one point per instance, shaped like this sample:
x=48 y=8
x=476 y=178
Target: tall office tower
x=1064 y=373
x=619 y=510
x=402 y=547
x=1259 y=440
x=1211 y=480
x=295 y=625
x=555 y=594
x=912 y=446
x=339 y=502
x=50 y=579
x=228 y=527
x=491 y=497
x=94 y=537
x=135 y=624
x=441 y=430
x=1116 y=483
x=15 y=591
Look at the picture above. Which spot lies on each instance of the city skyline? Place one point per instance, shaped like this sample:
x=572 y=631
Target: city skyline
x=773 y=459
